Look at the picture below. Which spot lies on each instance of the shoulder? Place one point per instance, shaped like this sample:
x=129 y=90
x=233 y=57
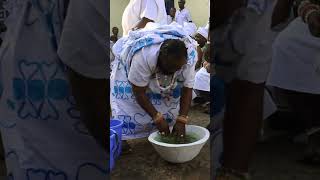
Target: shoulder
x=148 y=56
x=185 y=10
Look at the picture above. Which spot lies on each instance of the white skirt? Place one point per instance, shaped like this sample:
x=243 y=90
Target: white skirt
x=296 y=60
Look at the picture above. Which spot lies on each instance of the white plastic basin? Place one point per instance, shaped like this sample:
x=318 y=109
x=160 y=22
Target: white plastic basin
x=181 y=153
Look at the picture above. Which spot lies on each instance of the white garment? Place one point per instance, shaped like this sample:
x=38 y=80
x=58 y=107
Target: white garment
x=40 y=125
x=202 y=80
x=170 y=19
x=252 y=39
x=183 y=16
x=296 y=56
x=82 y=43
x=144 y=64
x=203 y=31
x=136 y=59
x=190 y=28
x=137 y=9
x=138 y=124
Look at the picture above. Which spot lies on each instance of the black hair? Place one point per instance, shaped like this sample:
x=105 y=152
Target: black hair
x=172 y=52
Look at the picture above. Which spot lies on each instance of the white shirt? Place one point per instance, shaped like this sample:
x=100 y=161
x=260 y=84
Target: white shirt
x=137 y=9
x=143 y=66
x=183 y=16
x=170 y=19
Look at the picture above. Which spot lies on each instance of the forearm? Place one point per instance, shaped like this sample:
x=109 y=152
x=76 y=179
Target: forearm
x=91 y=96
x=281 y=12
x=185 y=101
x=144 y=102
x=143 y=23
x=200 y=55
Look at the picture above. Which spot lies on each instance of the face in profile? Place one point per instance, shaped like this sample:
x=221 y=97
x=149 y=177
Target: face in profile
x=172 y=12
x=115 y=30
x=200 y=39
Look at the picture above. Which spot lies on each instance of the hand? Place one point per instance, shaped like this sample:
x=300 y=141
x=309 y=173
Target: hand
x=206 y=65
x=314 y=23
x=179 y=130
x=163 y=127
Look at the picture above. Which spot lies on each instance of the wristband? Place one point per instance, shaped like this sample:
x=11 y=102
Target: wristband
x=307 y=15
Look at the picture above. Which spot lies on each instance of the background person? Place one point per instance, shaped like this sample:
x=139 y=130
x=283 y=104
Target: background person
x=139 y=12
x=182 y=14
x=158 y=79
x=114 y=37
x=172 y=14
x=296 y=75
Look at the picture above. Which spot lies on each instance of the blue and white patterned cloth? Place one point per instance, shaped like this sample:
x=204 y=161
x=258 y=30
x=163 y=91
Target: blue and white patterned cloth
x=126 y=47
x=138 y=46
x=42 y=134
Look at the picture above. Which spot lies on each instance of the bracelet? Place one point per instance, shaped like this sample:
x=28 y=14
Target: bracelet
x=306 y=17
x=306 y=8
x=157 y=118
x=302 y=5
x=307 y=11
x=183 y=119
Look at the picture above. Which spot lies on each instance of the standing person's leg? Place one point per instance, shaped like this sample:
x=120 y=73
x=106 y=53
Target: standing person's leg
x=242 y=123
x=92 y=98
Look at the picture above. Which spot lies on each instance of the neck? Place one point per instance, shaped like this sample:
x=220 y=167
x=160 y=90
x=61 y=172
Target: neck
x=181 y=8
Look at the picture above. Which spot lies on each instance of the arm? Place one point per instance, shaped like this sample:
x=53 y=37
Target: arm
x=200 y=54
x=143 y=22
x=143 y=100
x=145 y=104
x=91 y=96
x=148 y=14
x=179 y=129
x=281 y=12
x=185 y=101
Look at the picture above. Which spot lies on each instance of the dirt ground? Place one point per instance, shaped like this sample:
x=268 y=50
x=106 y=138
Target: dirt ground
x=144 y=163
x=275 y=159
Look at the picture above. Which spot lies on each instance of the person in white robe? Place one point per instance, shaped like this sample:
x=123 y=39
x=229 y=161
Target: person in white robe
x=139 y=12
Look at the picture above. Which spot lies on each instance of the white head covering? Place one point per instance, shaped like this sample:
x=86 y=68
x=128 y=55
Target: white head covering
x=189 y=28
x=203 y=31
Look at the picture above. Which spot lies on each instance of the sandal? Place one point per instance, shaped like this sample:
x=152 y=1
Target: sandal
x=229 y=174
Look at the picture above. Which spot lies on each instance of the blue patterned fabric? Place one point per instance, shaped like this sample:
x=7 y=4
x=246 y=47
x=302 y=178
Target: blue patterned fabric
x=127 y=46
x=40 y=125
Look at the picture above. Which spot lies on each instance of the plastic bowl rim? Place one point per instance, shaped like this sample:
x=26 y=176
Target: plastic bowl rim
x=200 y=141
